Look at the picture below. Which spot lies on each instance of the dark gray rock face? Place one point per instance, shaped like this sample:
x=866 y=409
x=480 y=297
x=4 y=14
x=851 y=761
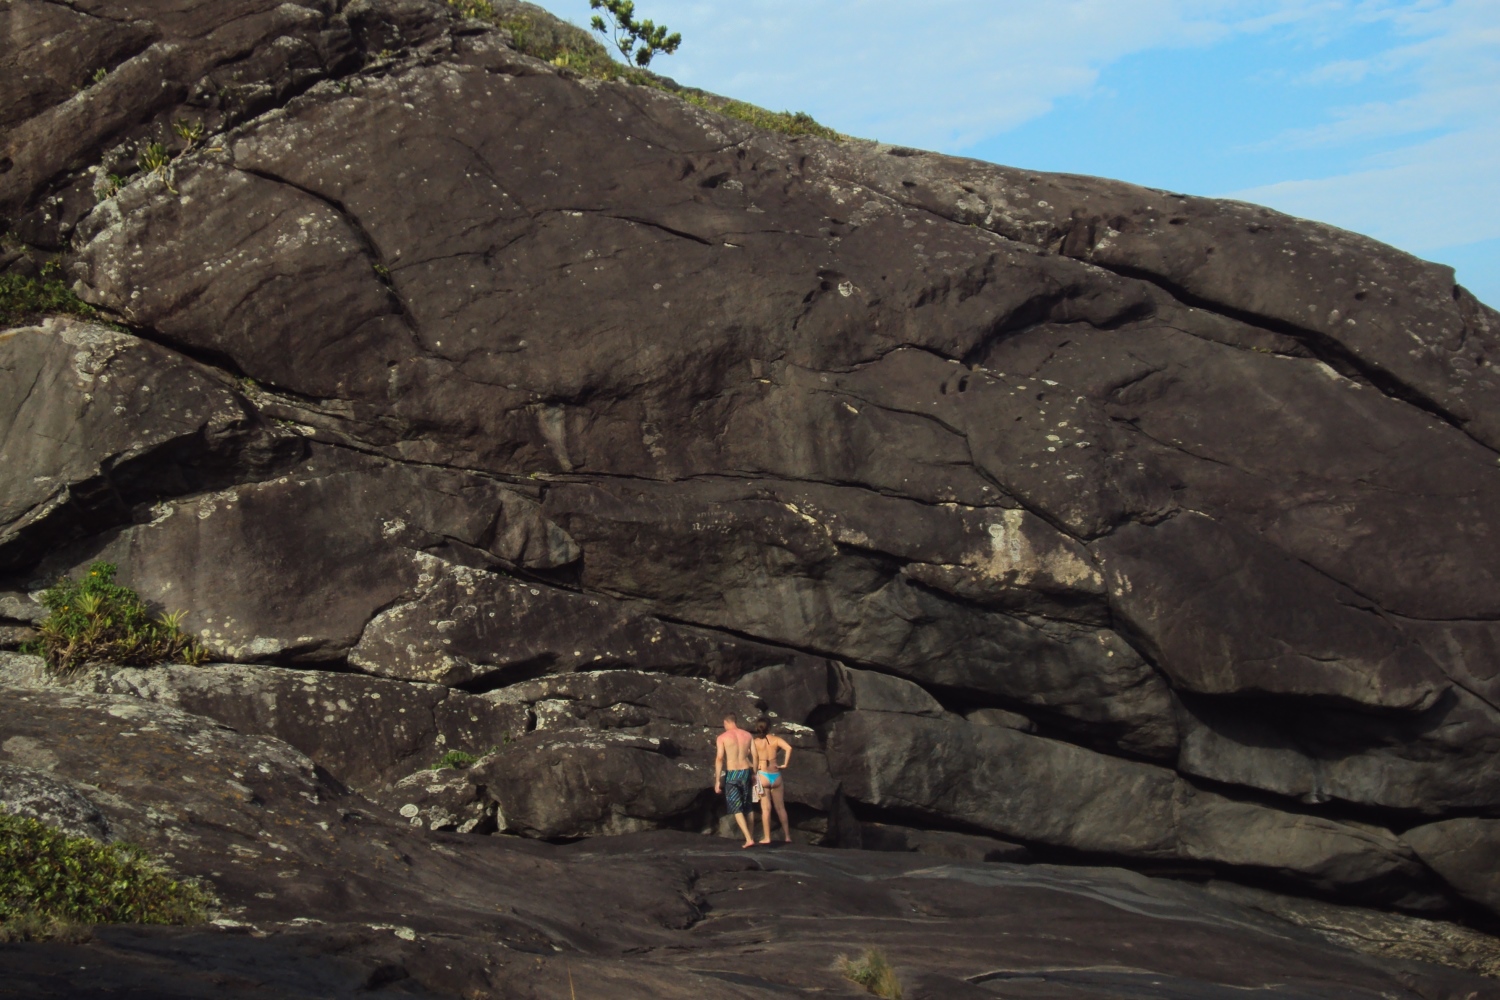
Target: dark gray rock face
x=1260 y=637
x=1465 y=852
x=1332 y=293
x=327 y=896
x=21 y=608
x=1105 y=520
x=581 y=783
x=939 y=843
x=366 y=732
x=872 y=692
x=1435 y=761
x=656 y=704
x=442 y=800
x=790 y=572
x=27 y=791
x=18 y=613
x=619 y=751
x=364 y=538
x=1043 y=791
x=97 y=420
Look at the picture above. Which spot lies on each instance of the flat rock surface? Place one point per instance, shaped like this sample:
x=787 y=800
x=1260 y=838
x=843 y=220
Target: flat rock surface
x=328 y=897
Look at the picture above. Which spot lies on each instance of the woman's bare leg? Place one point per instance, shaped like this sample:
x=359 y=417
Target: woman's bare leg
x=765 y=813
x=778 y=795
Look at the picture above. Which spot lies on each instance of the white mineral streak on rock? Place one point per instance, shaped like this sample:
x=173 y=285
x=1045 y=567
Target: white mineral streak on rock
x=1014 y=558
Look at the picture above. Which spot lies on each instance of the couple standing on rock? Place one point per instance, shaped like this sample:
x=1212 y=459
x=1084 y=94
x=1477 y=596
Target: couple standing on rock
x=742 y=754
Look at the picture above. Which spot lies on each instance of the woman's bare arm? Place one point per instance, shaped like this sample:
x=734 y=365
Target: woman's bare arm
x=784 y=745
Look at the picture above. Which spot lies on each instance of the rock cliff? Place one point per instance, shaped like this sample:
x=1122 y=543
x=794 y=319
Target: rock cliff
x=466 y=402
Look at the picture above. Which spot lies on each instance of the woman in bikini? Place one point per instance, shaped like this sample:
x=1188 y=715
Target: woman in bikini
x=772 y=787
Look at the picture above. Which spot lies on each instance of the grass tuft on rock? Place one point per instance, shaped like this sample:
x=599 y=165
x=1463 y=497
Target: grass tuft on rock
x=51 y=883
x=96 y=619
x=24 y=299
x=569 y=47
x=873 y=972
x=787 y=122
x=455 y=760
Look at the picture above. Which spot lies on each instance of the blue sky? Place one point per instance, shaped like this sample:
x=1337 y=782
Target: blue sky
x=1375 y=115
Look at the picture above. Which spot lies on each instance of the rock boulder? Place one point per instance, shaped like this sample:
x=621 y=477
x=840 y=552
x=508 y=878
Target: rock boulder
x=1041 y=791
x=1465 y=853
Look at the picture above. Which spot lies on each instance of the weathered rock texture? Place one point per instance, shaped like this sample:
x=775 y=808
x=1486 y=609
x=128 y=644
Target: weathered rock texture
x=326 y=895
x=1116 y=523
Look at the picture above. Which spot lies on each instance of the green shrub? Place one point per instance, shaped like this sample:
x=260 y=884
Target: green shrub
x=874 y=973
x=49 y=881
x=480 y=10
x=97 y=619
x=456 y=760
x=25 y=299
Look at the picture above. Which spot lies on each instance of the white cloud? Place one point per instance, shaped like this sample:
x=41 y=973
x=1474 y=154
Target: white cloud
x=1434 y=191
x=1423 y=198
x=1344 y=71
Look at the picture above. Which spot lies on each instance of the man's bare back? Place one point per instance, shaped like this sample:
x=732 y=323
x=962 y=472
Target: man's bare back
x=735 y=747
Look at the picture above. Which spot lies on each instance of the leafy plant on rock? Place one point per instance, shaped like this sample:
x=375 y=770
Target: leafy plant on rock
x=49 y=881
x=191 y=133
x=459 y=760
x=156 y=160
x=477 y=9
x=96 y=619
x=24 y=298
x=455 y=760
x=874 y=973
x=638 y=41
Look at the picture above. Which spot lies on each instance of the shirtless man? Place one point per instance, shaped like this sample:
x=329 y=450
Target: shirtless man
x=732 y=774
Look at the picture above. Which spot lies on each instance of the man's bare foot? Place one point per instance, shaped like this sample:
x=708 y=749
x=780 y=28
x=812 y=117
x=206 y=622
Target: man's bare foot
x=748 y=843
x=766 y=841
